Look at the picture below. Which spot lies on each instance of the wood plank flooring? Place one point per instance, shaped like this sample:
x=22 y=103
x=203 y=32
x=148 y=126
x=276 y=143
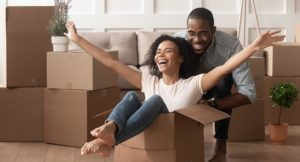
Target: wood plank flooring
x=254 y=151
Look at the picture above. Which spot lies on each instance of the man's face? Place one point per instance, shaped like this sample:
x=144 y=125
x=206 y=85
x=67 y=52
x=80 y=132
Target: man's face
x=200 y=34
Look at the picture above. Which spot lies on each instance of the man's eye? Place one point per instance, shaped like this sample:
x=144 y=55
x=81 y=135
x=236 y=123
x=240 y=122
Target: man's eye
x=191 y=34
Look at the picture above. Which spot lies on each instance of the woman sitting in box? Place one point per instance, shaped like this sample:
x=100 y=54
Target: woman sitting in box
x=168 y=87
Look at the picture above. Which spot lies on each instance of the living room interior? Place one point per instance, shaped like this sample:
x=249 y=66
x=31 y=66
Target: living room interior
x=51 y=100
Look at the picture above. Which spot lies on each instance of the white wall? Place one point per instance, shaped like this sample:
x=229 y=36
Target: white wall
x=2 y=44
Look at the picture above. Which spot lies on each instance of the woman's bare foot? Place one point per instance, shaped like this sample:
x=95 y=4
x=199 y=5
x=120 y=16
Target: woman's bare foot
x=106 y=132
x=96 y=146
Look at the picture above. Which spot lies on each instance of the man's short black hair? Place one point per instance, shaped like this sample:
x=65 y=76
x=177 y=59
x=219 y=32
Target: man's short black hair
x=202 y=13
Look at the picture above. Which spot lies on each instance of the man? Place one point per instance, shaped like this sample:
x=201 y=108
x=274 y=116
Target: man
x=213 y=48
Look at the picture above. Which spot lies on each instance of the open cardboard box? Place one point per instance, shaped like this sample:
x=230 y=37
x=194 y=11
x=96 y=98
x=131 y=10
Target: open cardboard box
x=173 y=137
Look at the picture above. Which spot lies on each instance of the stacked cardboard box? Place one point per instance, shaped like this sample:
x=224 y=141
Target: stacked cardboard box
x=21 y=98
x=27 y=43
x=283 y=63
x=77 y=70
x=79 y=90
x=173 y=137
x=21 y=114
x=242 y=126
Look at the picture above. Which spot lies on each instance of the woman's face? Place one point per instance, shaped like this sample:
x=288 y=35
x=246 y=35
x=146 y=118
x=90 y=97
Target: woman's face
x=167 y=57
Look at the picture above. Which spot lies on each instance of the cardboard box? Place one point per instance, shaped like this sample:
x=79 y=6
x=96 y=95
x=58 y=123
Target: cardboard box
x=282 y=59
x=257 y=66
x=297 y=32
x=70 y=115
x=78 y=70
x=173 y=137
x=21 y=114
x=27 y=43
x=247 y=122
x=290 y=115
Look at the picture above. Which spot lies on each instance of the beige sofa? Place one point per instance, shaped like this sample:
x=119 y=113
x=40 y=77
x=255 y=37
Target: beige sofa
x=132 y=47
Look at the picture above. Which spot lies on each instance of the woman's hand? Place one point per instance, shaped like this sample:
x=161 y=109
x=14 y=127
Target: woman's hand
x=267 y=39
x=72 y=32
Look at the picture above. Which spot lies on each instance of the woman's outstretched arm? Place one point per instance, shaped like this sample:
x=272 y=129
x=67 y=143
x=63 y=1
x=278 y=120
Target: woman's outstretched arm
x=266 y=39
x=132 y=76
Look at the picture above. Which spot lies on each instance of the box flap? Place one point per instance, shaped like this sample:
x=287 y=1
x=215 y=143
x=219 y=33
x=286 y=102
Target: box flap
x=203 y=113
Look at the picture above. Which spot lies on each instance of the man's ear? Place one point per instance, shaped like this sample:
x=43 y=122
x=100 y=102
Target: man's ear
x=214 y=29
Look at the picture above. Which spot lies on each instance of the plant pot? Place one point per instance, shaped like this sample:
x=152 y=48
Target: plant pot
x=278 y=132
x=60 y=43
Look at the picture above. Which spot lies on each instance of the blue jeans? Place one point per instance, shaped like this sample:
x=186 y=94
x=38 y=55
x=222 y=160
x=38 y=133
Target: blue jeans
x=132 y=116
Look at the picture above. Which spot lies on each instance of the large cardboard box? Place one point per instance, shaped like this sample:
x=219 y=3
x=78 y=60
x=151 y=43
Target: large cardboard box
x=21 y=114
x=27 y=42
x=173 y=137
x=247 y=122
x=70 y=115
x=283 y=59
x=78 y=70
x=290 y=115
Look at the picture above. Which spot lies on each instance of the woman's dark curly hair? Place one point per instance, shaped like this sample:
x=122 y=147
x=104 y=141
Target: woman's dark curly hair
x=186 y=52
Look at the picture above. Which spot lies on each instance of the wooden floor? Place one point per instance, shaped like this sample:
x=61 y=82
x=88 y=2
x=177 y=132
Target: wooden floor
x=257 y=151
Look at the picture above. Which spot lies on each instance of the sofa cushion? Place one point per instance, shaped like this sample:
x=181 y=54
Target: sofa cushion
x=123 y=42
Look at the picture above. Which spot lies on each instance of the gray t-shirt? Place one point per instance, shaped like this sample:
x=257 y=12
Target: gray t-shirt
x=220 y=50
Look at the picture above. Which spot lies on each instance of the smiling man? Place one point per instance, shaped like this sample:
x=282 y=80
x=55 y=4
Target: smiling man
x=214 y=48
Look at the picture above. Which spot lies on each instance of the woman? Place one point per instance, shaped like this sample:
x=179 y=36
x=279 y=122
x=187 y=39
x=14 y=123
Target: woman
x=168 y=82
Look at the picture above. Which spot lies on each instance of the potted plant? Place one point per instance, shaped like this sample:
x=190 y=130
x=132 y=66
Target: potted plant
x=57 y=25
x=282 y=95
